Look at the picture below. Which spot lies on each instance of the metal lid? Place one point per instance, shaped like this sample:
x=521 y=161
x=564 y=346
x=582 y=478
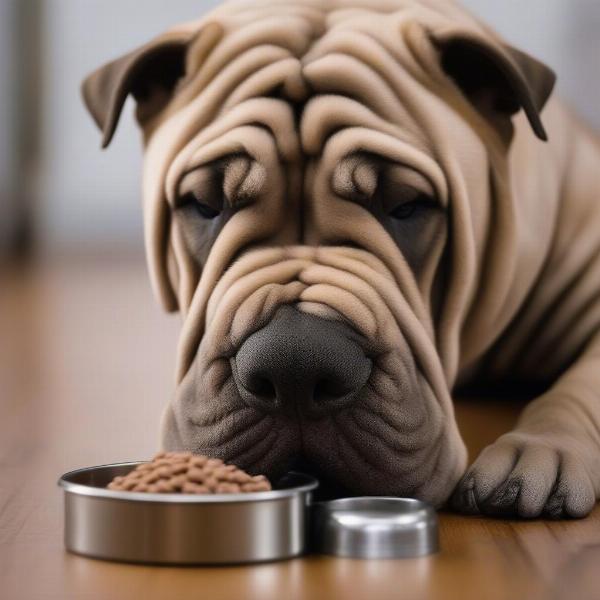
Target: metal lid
x=374 y=527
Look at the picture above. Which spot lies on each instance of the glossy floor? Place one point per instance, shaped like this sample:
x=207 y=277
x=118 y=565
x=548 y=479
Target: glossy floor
x=86 y=362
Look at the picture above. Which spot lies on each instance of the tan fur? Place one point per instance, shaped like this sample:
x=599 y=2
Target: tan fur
x=522 y=246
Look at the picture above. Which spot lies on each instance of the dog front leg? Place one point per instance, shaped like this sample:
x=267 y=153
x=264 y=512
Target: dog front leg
x=549 y=465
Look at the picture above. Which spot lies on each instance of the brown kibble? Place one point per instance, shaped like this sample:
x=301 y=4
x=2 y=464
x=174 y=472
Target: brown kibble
x=151 y=477
x=164 y=472
x=189 y=487
x=164 y=487
x=195 y=474
x=220 y=472
x=178 y=482
x=239 y=477
x=198 y=461
x=260 y=486
x=227 y=488
x=179 y=467
x=194 y=488
x=183 y=472
x=211 y=483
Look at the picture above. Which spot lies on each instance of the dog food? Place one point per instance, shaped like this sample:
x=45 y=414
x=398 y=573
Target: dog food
x=187 y=473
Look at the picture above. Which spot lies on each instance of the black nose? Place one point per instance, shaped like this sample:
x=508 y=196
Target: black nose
x=301 y=363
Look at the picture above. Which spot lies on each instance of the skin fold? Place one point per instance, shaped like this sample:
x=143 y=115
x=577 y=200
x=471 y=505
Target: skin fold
x=380 y=167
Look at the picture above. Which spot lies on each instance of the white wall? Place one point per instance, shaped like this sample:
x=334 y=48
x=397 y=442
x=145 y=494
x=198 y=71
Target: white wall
x=6 y=122
x=88 y=197
x=91 y=197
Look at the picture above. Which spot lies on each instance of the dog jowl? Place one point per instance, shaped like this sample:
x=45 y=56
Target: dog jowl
x=354 y=208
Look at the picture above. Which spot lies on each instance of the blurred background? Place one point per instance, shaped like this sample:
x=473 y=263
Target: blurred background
x=60 y=194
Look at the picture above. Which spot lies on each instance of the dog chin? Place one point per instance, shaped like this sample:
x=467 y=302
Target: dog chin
x=363 y=452
x=348 y=460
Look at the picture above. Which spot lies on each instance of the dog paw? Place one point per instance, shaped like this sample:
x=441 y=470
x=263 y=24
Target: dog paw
x=526 y=475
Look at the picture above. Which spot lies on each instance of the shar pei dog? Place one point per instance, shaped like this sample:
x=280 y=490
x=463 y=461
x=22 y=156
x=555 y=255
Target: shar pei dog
x=357 y=206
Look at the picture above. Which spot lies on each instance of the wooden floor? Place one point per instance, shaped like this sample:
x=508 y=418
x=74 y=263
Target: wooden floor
x=86 y=363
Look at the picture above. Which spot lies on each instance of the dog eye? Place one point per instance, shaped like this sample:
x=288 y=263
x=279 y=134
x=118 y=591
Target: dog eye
x=224 y=185
x=412 y=208
x=201 y=191
x=406 y=193
x=206 y=211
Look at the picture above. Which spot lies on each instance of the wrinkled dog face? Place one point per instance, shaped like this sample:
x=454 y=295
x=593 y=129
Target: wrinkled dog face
x=317 y=224
x=299 y=174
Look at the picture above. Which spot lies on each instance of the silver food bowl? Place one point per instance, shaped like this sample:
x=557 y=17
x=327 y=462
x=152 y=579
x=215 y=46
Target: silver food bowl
x=183 y=528
x=374 y=527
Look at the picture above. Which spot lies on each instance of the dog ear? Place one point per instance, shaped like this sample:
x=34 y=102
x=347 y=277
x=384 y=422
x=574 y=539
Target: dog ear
x=499 y=80
x=149 y=74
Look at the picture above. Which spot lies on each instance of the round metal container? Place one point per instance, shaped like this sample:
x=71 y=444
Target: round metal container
x=183 y=528
x=374 y=527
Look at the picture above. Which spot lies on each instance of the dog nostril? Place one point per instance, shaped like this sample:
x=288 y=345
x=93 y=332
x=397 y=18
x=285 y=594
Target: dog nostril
x=328 y=389
x=262 y=387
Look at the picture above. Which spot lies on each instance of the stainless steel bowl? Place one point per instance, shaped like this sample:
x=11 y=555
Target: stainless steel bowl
x=374 y=527
x=183 y=528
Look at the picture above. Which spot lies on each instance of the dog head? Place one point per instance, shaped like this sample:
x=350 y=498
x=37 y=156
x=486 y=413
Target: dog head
x=320 y=181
